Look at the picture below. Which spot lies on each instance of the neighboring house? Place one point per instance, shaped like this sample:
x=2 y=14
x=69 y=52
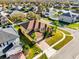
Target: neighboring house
x=3 y=13
x=67 y=17
x=57 y=5
x=65 y=11
x=75 y=5
x=16 y=7
x=75 y=11
x=52 y=14
x=77 y=18
x=13 y=6
x=18 y=56
x=19 y=7
x=9 y=42
x=3 y=20
x=35 y=8
x=1 y=8
x=46 y=14
x=66 y=5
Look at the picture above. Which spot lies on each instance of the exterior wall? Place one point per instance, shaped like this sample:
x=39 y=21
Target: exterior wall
x=67 y=19
x=16 y=43
x=23 y=30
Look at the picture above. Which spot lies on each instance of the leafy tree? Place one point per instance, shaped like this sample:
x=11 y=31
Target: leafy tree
x=46 y=33
x=33 y=36
x=32 y=15
x=56 y=24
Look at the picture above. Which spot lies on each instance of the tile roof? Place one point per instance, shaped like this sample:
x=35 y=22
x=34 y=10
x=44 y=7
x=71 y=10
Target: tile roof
x=18 y=56
x=34 y=24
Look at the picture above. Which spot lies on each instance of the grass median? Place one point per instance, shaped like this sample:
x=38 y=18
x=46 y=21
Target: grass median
x=63 y=43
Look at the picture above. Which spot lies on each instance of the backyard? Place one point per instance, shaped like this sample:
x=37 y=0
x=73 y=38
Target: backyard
x=29 y=49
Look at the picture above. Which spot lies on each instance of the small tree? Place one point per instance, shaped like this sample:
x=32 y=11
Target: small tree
x=33 y=36
x=32 y=15
x=46 y=33
x=56 y=24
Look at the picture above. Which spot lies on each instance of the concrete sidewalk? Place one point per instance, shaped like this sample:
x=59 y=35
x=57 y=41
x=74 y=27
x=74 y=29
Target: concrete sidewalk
x=46 y=48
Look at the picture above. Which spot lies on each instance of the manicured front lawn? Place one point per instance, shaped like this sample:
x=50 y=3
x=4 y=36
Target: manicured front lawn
x=43 y=57
x=58 y=35
x=33 y=51
x=74 y=26
x=63 y=43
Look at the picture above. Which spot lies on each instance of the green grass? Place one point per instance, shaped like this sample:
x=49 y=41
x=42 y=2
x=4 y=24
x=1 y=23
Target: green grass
x=17 y=27
x=33 y=51
x=29 y=50
x=24 y=40
x=63 y=43
x=43 y=57
x=74 y=26
x=65 y=32
x=47 y=19
x=58 y=35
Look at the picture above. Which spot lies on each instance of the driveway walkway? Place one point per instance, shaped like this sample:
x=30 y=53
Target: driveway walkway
x=46 y=48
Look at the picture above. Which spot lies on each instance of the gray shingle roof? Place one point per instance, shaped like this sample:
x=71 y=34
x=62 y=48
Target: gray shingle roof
x=7 y=34
x=66 y=14
x=77 y=17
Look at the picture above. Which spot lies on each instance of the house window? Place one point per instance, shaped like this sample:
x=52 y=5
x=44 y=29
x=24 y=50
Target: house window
x=3 y=44
x=0 y=45
x=7 y=43
x=7 y=48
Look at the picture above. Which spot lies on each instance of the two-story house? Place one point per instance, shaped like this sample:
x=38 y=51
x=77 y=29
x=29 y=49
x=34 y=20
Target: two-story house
x=9 y=42
x=68 y=17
